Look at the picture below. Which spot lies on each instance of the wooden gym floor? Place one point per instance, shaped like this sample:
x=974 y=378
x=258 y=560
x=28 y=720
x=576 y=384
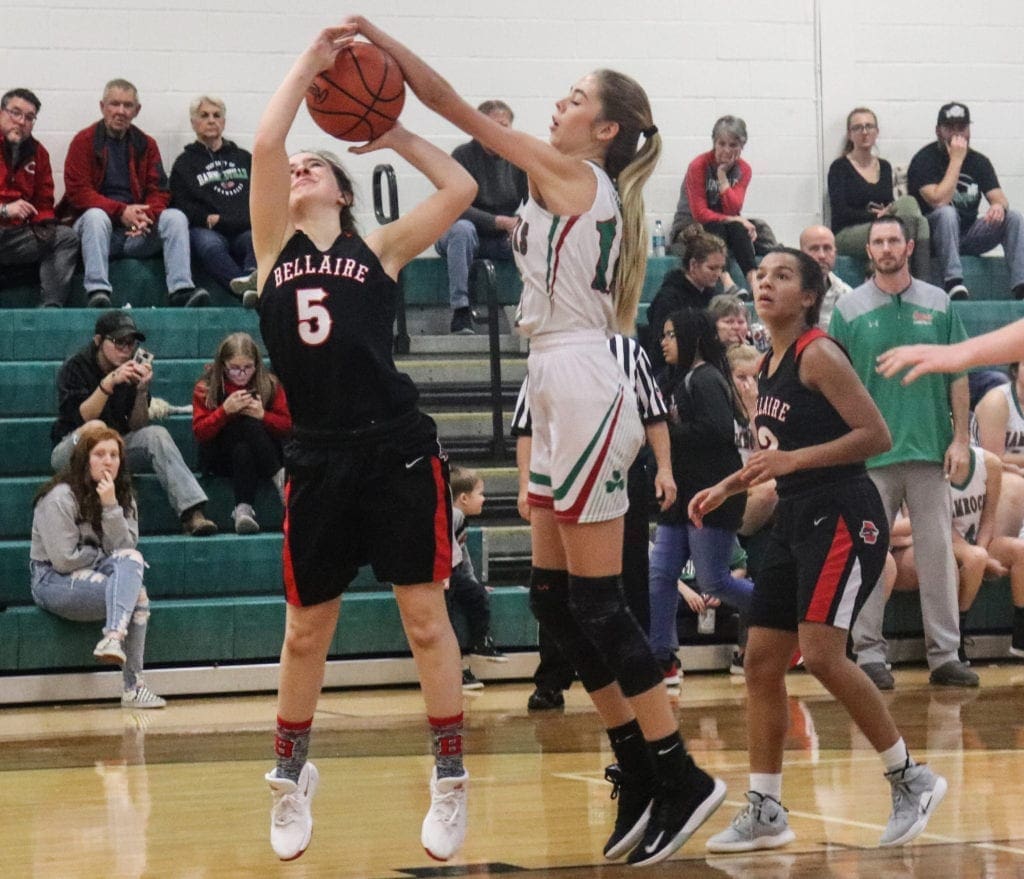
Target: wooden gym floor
x=96 y=791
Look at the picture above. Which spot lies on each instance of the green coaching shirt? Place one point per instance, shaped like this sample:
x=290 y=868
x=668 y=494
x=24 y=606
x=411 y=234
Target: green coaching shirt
x=869 y=322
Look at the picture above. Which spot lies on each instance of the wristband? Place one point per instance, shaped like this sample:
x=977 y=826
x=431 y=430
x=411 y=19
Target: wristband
x=103 y=389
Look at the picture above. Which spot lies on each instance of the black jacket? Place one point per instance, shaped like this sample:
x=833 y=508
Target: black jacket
x=205 y=182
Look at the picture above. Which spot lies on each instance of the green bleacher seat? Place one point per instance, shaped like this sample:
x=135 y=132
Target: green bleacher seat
x=206 y=630
x=171 y=333
x=136 y=282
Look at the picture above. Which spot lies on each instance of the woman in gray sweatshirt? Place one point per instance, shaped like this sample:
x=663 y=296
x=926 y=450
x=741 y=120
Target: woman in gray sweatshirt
x=84 y=562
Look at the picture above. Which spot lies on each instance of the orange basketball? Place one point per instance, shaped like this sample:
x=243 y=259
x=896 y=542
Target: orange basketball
x=360 y=97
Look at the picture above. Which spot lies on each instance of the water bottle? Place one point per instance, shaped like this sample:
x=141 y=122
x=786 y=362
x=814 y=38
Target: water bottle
x=658 y=239
x=706 y=619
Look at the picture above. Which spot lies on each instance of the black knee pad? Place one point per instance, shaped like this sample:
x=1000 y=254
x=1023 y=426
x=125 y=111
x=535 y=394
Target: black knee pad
x=599 y=607
x=549 y=602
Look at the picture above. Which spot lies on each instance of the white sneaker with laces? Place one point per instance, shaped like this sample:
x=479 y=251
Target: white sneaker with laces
x=291 y=817
x=110 y=649
x=444 y=827
x=140 y=696
x=916 y=793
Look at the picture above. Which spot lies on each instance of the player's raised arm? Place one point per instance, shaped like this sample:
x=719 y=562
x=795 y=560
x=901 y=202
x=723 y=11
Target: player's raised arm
x=271 y=179
x=1004 y=345
x=557 y=174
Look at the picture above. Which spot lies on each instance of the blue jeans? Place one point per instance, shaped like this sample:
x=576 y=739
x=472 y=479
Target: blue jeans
x=149 y=448
x=103 y=241
x=224 y=257
x=111 y=591
x=460 y=245
x=711 y=551
x=948 y=243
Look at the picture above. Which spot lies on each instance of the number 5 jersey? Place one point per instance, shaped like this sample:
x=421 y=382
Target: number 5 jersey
x=326 y=318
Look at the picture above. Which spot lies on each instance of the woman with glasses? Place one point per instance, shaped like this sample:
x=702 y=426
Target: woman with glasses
x=239 y=416
x=860 y=188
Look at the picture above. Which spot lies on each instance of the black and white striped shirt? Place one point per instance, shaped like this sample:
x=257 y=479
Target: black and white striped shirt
x=633 y=361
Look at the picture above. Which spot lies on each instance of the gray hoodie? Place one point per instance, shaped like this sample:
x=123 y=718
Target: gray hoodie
x=62 y=538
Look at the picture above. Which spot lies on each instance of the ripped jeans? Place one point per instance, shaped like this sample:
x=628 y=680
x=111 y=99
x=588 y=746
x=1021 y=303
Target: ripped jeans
x=112 y=591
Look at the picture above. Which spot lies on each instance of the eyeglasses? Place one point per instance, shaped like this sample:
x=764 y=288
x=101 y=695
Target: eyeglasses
x=863 y=127
x=668 y=334
x=20 y=116
x=128 y=343
x=240 y=370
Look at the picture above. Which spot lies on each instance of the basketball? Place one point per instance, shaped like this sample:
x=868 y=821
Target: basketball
x=360 y=97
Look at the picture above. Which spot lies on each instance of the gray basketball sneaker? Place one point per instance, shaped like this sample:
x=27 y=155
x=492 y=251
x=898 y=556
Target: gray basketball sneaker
x=761 y=824
x=916 y=793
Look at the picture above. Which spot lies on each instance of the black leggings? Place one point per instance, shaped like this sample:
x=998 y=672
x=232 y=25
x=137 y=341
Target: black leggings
x=737 y=242
x=246 y=452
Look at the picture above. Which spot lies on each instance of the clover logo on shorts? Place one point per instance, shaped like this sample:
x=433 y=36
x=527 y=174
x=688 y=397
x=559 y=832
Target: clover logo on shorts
x=869 y=532
x=615 y=483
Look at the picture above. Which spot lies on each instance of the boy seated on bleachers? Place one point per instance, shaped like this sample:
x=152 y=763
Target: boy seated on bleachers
x=464 y=590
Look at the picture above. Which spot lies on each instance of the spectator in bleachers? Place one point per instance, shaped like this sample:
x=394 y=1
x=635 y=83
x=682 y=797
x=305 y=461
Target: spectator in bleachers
x=240 y=417
x=210 y=186
x=999 y=423
x=85 y=564
x=948 y=178
x=107 y=383
x=980 y=551
x=29 y=232
x=730 y=317
x=703 y=410
x=712 y=194
x=928 y=423
x=690 y=286
x=484 y=230
x=861 y=188
x=115 y=190
x=819 y=244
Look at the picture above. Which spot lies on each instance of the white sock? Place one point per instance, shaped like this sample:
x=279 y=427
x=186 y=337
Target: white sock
x=768 y=784
x=896 y=757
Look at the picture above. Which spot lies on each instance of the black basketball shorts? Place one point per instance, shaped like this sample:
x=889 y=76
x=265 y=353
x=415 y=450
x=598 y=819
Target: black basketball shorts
x=384 y=503
x=825 y=555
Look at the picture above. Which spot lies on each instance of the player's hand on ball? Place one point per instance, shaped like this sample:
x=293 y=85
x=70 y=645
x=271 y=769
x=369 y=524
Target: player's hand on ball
x=387 y=140
x=328 y=43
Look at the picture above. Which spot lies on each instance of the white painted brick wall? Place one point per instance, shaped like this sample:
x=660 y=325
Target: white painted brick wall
x=697 y=59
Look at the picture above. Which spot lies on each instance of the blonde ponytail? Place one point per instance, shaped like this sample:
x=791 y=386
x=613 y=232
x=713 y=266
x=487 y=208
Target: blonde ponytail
x=624 y=102
x=632 y=265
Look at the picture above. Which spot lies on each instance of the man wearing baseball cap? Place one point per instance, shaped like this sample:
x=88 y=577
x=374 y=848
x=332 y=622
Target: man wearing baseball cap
x=106 y=383
x=949 y=179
